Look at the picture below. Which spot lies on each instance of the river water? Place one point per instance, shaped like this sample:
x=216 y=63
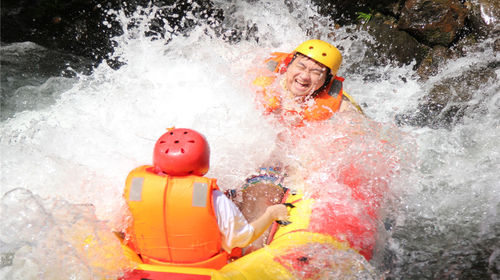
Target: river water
x=68 y=142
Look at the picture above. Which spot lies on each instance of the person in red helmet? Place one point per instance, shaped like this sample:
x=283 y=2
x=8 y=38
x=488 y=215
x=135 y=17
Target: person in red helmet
x=180 y=216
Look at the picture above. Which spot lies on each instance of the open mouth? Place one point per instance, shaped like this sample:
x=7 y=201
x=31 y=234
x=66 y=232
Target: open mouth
x=301 y=84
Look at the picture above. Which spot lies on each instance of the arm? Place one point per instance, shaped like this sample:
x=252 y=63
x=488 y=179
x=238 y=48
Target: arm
x=349 y=105
x=272 y=213
x=235 y=229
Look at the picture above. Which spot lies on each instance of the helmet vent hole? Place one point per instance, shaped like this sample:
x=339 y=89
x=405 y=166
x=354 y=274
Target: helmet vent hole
x=185 y=132
x=166 y=151
x=311 y=47
x=191 y=141
x=176 y=141
x=171 y=133
x=323 y=54
x=191 y=172
x=182 y=150
x=162 y=142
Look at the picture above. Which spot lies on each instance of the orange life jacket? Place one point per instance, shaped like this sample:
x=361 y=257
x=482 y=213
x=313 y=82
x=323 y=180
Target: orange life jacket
x=326 y=102
x=174 y=221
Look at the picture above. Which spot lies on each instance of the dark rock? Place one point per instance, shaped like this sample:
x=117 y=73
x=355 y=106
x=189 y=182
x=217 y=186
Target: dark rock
x=435 y=22
x=74 y=26
x=26 y=74
x=393 y=8
x=342 y=11
x=393 y=44
x=83 y=27
x=484 y=17
x=447 y=102
x=346 y=12
x=430 y=65
x=466 y=44
x=403 y=32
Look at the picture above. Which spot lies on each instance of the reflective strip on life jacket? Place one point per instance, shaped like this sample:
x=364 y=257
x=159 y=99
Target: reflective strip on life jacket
x=173 y=218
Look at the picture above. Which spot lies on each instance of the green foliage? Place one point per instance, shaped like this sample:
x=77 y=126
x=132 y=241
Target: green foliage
x=365 y=17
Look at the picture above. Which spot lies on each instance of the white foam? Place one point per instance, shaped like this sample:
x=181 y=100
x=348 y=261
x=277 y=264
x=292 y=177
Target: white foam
x=80 y=150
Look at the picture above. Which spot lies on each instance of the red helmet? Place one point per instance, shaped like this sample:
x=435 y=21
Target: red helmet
x=180 y=152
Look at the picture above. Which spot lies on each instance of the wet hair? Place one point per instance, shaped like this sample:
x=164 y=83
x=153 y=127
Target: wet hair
x=329 y=75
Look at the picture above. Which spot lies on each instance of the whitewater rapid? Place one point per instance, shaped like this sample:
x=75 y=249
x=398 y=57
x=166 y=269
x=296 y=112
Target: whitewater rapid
x=63 y=164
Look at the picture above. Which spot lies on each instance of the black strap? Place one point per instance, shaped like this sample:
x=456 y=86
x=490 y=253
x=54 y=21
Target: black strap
x=335 y=88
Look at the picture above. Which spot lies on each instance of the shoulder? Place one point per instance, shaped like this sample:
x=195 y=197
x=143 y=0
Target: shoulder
x=223 y=205
x=219 y=197
x=348 y=104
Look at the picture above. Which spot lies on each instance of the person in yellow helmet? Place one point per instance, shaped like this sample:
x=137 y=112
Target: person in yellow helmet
x=308 y=88
x=298 y=87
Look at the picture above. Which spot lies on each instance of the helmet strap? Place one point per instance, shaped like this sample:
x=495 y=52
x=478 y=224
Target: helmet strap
x=329 y=77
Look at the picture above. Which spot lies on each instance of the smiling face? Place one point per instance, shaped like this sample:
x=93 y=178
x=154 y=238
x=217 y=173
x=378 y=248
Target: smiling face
x=304 y=76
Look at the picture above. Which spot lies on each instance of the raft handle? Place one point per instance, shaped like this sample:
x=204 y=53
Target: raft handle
x=283 y=222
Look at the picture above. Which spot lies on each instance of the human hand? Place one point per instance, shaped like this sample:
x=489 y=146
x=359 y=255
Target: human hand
x=277 y=212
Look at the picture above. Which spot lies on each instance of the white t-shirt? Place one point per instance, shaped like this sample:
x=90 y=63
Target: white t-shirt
x=234 y=228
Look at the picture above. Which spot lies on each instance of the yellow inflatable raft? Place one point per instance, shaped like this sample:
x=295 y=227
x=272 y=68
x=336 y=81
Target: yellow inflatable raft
x=295 y=252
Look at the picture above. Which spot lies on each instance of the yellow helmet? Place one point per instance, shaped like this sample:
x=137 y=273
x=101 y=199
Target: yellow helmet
x=323 y=53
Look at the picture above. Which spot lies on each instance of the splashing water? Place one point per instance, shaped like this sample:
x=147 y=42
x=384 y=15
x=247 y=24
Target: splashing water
x=53 y=239
x=64 y=163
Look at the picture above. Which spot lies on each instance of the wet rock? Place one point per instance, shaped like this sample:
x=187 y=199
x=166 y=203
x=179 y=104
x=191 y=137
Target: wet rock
x=25 y=76
x=436 y=22
x=393 y=8
x=393 y=44
x=436 y=58
x=465 y=45
x=484 y=17
x=343 y=11
x=84 y=27
x=447 y=102
x=346 y=12
x=74 y=26
x=430 y=65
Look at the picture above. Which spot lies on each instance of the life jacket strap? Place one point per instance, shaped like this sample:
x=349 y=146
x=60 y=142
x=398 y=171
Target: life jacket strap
x=335 y=88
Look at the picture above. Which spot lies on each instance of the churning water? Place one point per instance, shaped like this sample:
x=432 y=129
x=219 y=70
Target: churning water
x=68 y=143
